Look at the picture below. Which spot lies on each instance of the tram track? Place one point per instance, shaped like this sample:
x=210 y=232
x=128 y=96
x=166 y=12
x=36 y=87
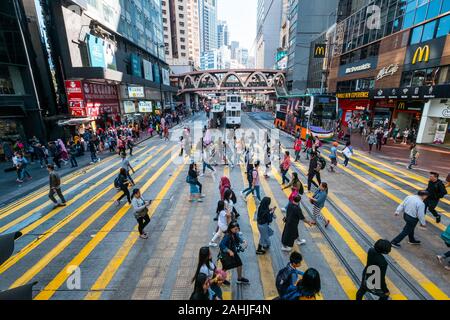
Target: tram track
x=357 y=230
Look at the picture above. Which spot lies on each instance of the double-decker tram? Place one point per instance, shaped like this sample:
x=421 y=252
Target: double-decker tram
x=233 y=111
x=310 y=114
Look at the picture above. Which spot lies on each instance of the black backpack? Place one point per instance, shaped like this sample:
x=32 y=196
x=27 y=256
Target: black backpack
x=283 y=280
x=322 y=163
x=117 y=183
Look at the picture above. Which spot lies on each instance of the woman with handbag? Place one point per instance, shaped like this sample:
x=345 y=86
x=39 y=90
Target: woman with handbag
x=265 y=216
x=195 y=185
x=297 y=189
x=206 y=266
x=140 y=207
x=229 y=248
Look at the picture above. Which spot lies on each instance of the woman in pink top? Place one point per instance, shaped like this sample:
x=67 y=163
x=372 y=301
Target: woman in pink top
x=285 y=165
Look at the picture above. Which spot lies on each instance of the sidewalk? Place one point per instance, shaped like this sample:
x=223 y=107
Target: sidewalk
x=431 y=158
x=11 y=190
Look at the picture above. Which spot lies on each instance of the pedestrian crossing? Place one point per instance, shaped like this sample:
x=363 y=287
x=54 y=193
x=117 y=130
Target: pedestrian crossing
x=102 y=240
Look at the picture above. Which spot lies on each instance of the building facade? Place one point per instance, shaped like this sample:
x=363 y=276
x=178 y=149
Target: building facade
x=112 y=56
x=397 y=68
x=22 y=106
x=208 y=25
x=181 y=32
x=268 y=26
x=308 y=19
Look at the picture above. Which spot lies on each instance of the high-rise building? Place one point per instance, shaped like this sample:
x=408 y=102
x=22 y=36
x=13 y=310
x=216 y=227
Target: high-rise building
x=242 y=56
x=181 y=34
x=268 y=27
x=392 y=62
x=308 y=19
x=234 y=46
x=112 y=56
x=223 y=37
x=208 y=25
x=216 y=59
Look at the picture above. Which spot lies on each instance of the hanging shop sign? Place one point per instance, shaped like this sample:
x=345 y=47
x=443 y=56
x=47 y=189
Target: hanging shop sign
x=136 y=92
x=387 y=71
x=319 y=50
x=359 y=66
x=75 y=98
x=165 y=76
x=96 y=48
x=424 y=55
x=426 y=92
x=353 y=95
x=145 y=106
x=129 y=107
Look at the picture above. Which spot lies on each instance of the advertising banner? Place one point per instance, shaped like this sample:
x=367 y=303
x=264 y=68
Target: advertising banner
x=145 y=106
x=156 y=73
x=136 y=65
x=136 y=92
x=75 y=98
x=129 y=107
x=100 y=98
x=165 y=77
x=96 y=50
x=148 y=70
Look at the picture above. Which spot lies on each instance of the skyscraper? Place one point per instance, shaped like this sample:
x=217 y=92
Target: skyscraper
x=181 y=34
x=208 y=24
x=268 y=28
x=223 y=37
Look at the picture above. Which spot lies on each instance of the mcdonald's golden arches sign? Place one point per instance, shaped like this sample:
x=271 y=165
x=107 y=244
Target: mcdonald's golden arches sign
x=422 y=54
x=319 y=50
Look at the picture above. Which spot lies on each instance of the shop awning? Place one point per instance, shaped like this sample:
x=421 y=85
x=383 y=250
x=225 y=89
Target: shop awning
x=12 y=112
x=74 y=121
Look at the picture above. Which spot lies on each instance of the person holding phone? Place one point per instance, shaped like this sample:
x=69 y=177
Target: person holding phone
x=140 y=207
x=265 y=216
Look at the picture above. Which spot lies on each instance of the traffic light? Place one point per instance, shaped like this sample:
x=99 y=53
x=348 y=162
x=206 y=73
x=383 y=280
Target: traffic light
x=24 y=292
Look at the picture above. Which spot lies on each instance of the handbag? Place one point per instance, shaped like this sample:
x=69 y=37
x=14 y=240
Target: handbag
x=142 y=213
x=228 y=262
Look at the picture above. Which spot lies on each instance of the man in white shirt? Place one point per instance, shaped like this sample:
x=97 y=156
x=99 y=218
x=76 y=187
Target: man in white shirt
x=413 y=209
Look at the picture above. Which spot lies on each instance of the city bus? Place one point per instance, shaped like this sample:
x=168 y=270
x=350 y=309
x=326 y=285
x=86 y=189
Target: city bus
x=303 y=115
x=233 y=109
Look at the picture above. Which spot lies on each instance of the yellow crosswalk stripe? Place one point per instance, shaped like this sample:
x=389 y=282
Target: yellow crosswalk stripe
x=107 y=275
x=341 y=275
x=354 y=246
x=58 y=210
x=62 y=276
x=43 y=192
x=54 y=229
x=394 y=186
x=385 y=192
x=415 y=186
x=408 y=267
x=264 y=262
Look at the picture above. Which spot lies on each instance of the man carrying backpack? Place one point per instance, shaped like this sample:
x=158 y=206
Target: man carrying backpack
x=314 y=171
x=288 y=277
x=436 y=191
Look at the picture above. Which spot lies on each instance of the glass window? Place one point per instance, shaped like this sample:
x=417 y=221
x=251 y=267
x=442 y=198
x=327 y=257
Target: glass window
x=398 y=24
x=444 y=27
x=445 y=6
x=444 y=75
x=433 y=8
x=411 y=6
x=408 y=21
x=428 y=31
x=418 y=78
x=416 y=34
x=429 y=78
x=406 y=79
x=421 y=13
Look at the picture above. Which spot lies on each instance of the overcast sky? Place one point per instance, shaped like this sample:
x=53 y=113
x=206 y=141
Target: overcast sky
x=241 y=18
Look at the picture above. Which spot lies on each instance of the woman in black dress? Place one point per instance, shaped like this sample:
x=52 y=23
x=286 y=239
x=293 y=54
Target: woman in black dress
x=293 y=216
